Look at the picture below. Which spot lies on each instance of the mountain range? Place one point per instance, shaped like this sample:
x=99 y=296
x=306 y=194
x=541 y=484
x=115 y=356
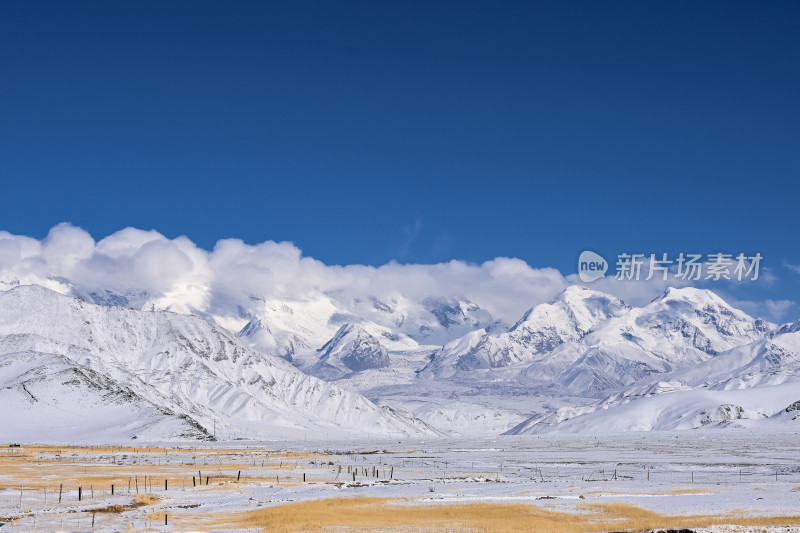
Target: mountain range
x=159 y=375
x=93 y=369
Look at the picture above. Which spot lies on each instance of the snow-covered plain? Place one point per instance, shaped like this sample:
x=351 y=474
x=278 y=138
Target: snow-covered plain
x=721 y=473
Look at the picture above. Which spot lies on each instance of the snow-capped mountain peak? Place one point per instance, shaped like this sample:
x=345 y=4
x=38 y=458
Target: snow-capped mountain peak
x=351 y=350
x=542 y=329
x=682 y=327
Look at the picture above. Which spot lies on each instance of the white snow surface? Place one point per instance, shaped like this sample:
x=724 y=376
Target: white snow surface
x=48 y=396
x=776 y=408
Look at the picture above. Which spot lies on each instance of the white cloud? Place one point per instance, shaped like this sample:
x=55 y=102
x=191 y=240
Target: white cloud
x=634 y=292
x=779 y=308
x=66 y=247
x=793 y=268
x=175 y=273
x=772 y=310
x=10 y=253
x=226 y=281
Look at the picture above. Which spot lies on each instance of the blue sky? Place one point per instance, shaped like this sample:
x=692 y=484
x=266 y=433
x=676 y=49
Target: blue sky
x=414 y=131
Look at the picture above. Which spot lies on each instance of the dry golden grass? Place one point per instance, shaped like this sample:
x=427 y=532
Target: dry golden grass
x=33 y=451
x=46 y=467
x=141 y=500
x=686 y=491
x=146 y=499
x=128 y=449
x=674 y=492
x=380 y=514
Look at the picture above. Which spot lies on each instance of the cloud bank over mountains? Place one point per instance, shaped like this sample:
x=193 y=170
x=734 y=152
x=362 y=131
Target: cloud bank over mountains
x=149 y=270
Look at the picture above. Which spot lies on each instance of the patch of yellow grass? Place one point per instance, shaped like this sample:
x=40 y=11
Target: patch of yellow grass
x=140 y=500
x=46 y=467
x=35 y=451
x=146 y=499
x=676 y=492
x=49 y=479
x=382 y=514
x=687 y=491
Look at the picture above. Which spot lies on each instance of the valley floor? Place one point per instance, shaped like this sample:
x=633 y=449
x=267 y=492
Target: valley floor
x=726 y=480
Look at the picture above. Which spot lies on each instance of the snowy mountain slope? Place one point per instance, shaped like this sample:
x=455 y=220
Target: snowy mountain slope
x=561 y=358
x=190 y=367
x=541 y=330
x=427 y=320
x=462 y=417
x=297 y=331
x=565 y=355
x=454 y=318
x=762 y=364
x=297 y=325
x=683 y=325
x=47 y=397
x=770 y=361
x=772 y=407
x=351 y=350
x=481 y=403
x=298 y=328
x=682 y=328
x=589 y=343
x=291 y=328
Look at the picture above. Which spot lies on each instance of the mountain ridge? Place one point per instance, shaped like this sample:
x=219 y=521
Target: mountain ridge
x=579 y=354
